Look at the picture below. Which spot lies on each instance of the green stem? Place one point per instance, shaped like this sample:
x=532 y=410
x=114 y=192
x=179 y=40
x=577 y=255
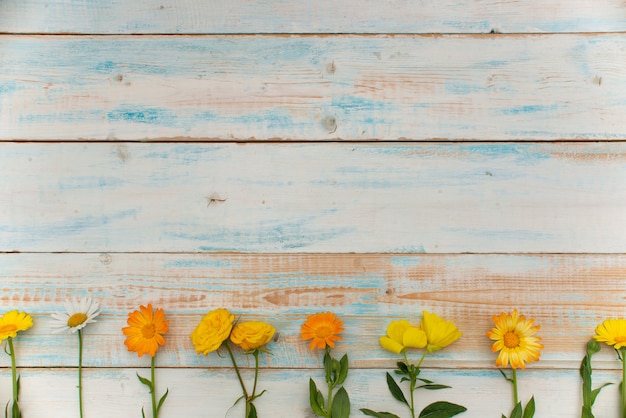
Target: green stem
x=243 y=386
x=514 y=381
x=330 y=384
x=13 y=371
x=255 y=353
x=80 y=373
x=155 y=413
x=623 y=386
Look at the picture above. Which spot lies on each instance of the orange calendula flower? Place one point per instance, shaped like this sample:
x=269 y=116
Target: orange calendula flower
x=513 y=336
x=145 y=330
x=323 y=328
x=612 y=332
x=13 y=322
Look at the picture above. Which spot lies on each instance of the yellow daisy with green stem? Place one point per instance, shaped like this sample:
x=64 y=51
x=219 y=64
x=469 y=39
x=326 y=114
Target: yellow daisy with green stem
x=613 y=333
x=78 y=314
x=11 y=323
x=514 y=337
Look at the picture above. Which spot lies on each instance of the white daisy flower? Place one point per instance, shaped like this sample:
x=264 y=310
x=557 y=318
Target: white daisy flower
x=78 y=313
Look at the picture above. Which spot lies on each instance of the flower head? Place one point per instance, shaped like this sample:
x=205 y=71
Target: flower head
x=145 y=330
x=323 y=328
x=78 y=313
x=513 y=336
x=612 y=332
x=402 y=335
x=13 y=322
x=439 y=332
x=214 y=328
x=252 y=335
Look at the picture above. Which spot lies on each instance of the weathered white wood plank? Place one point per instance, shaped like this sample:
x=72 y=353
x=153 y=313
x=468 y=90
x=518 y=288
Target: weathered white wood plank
x=434 y=198
x=568 y=295
x=313 y=88
x=201 y=393
x=303 y=16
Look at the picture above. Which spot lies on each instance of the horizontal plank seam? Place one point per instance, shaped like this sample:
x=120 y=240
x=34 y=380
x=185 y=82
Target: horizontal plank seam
x=491 y=33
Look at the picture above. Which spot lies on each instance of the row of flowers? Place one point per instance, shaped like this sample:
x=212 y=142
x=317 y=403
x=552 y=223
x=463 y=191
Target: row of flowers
x=513 y=338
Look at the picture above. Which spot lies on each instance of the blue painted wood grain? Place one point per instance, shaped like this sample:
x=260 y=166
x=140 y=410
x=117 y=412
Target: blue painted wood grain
x=251 y=88
x=302 y=16
x=326 y=198
x=568 y=295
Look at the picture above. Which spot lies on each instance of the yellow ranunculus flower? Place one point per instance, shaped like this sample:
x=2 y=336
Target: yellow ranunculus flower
x=12 y=322
x=212 y=331
x=252 y=335
x=439 y=332
x=402 y=335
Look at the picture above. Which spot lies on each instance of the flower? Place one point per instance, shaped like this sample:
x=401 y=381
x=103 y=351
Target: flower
x=212 y=331
x=612 y=332
x=439 y=332
x=402 y=335
x=78 y=313
x=145 y=330
x=323 y=328
x=252 y=335
x=513 y=336
x=13 y=322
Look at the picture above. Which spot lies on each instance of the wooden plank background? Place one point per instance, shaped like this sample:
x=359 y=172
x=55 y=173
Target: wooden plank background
x=281 y=158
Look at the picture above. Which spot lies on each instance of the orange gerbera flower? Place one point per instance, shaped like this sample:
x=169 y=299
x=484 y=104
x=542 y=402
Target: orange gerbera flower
x=145 y=330
x=323 y=328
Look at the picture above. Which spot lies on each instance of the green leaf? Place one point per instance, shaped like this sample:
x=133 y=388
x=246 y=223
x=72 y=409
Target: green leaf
x=143 y=414
x=343 y=370
x=316 y=400
x=425 y=380
x=145 y=382
x=402 y=368
x=252 y=411
x=433 y=387
x=529 y=410
x=371 y=413
x=441 y=409
x=517 y=411
x=596 y=392
x=341 y=405
x=586 y=413
x=395 y=390
x=162 y=400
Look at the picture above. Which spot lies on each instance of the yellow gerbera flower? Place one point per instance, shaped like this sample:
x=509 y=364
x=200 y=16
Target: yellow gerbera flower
x=612 y=332
x=323 y=328
x=13 y=322
x=145 y=330
x=513 y=336
x=439 y=332
x=402 y=335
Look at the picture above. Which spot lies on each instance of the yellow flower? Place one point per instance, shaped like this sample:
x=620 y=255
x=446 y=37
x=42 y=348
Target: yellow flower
x=13 y=322
x=212 y=331
x=402 y=335
x=252 y=335
x=145 y=330
x=439 y=333
x=513 y=336
x=323 y=328
x=612 y=332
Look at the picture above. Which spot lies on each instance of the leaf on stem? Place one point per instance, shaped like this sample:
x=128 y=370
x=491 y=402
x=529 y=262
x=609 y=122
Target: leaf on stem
x=341 y=405
x=441 y=409
x=343 y=370
x=517 y=411
x=395 y=390
x=529 y=410
x=252 y=412
x=371 y=413
x=162 y=400
x=146 y=382
x=316 y=399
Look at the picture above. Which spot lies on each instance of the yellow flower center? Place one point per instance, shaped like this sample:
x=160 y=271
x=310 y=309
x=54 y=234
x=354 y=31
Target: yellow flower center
x=76 y=319
x=323 y=332
x=620 y=338
x=8 y=328
x=511 y=340
x=148 y=331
